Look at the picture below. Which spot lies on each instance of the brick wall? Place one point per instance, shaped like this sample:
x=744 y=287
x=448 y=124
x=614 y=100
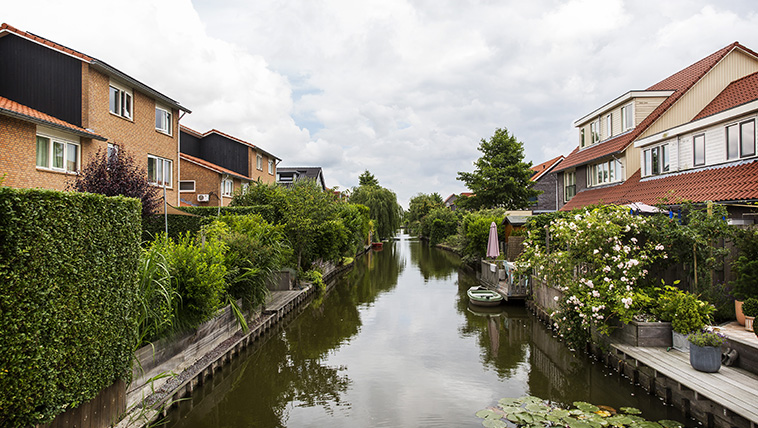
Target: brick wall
x=206 y=181
x=260 y=174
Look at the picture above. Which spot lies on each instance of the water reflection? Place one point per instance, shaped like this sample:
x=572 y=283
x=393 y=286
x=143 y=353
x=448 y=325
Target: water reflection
x=398 y=346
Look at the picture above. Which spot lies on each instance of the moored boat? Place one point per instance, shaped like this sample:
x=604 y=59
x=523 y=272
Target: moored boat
x=482 y=296
x=377 y=246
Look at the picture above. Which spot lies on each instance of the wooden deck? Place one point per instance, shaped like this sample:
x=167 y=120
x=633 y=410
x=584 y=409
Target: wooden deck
x=499 y=275
x=733 y=389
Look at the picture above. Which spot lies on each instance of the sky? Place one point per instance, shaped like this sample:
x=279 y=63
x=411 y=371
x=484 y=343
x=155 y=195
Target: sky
x=405 y=89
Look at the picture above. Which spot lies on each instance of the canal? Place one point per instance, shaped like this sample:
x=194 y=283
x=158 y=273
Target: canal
x=396 y=344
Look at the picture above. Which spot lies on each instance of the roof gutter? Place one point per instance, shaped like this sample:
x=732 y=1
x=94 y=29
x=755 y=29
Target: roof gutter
x=32 y=119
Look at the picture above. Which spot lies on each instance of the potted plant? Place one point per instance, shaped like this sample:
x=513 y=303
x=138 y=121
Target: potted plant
x=745 y=267
x=750 y=309
x=705 y=350
x=685 y=311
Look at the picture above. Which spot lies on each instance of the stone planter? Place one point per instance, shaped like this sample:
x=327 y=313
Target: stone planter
x=738 y=312
x=679 y=341
x=644 y=334
x=705 y=358
x=749 y=323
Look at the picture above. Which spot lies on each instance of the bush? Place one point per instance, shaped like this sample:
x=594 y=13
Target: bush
x=179 y=224
x=745 y=284
x=439 y=224
x=750 y=307
x=68 y=293
x=475 y=228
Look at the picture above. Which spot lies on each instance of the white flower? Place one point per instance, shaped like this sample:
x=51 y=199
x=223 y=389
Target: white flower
x=659 y=247
x=634 y=240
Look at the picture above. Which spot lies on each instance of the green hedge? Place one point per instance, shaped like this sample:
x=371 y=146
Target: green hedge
x=67 y=299
x=178 y=224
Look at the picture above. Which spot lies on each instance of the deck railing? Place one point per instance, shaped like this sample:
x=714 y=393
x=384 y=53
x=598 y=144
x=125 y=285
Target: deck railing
x=501 y=276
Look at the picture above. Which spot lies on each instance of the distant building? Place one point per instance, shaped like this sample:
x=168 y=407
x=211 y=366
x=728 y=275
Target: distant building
x=450 y=201
x=287 y=175
x=546 y=181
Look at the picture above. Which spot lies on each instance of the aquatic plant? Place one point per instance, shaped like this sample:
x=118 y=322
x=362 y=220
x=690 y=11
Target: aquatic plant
x=530 y=411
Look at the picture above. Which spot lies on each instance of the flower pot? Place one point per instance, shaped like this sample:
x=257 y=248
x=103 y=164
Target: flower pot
x=679 y=341
x=644 y=334
x=749 y=323
x=705 y=358
x=738 y=312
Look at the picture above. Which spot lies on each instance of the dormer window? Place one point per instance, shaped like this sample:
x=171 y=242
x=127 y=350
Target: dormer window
x=120 y=101
x=595 y=131
x=740 y=140
x=609 y=125
x=627 y=117
x=656 y=160
x=581 y=137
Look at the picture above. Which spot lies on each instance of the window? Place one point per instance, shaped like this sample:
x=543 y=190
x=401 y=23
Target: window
x=604 y=172
x=698 y=148
x=163 y=120
x=270 y=167
x=569 y=185
x=581 y=137
x=120 y=102
x=187 y=186
x=627 y=117
x=740 y=140
x=259 y=162
x=245 y=185
x=158 y=171
x=226 y=187
x=609 y=125
x=595 y=131
x=656 y=160
x=57 y=154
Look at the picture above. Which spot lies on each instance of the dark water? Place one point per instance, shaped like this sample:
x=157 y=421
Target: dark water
x=395 y=344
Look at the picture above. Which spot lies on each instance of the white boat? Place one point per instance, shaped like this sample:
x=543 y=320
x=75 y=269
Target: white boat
x=482 y=296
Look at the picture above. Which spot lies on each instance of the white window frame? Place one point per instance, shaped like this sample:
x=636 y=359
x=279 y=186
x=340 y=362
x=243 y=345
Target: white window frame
x=66 y=145
x=123 y=104
x=581 y=137
x=259 y=162
x=271 y=167
x=656 y=160
x=604 y=173
x=164 y=115
x=627 y=117
x=595 y=131
x=609 y=125
x=738 y=126
x=227 y=186
x=194 y=187
x=160 y=164
x=695 y=151
x=569 y=179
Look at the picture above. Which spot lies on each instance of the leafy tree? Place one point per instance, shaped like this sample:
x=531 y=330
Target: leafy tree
x=418 y=207
x=115 y=175
x=367 y=179
x=382 y=205
x=501 y=177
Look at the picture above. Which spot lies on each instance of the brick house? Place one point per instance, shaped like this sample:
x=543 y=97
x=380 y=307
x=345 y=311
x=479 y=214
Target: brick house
x=626 y=153
x=215 y=165
x=58 y=107
x=546 y=181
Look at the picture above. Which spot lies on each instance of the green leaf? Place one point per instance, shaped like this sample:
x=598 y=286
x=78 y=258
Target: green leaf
x=668 y=423
x=630 y=411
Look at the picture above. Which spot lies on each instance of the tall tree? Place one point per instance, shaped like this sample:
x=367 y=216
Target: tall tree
x=117 y=174
x=501 y=177
x=382 y=204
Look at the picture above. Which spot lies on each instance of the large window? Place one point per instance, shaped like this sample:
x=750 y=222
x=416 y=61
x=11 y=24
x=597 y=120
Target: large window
x=595 y=131
x=569 y=185
x=57 y=154
x=227 y=185
x=163 y=120
x=120 y=101
x=698 y=149
x=656 y=160
x=158 y=171
x=187 y=186
x=740 y=140
x=604 y=172
x=627 y=117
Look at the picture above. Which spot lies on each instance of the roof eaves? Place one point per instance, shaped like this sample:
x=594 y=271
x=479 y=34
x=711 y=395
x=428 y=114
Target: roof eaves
x=70 y=129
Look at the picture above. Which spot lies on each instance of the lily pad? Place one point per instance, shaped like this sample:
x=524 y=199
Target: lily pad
x=586 y=407
x=559 y=413
x=668 y=423
x=647 y=424
x=510 y=402
x=489 y=414
x=492 y=423
x=630 y=411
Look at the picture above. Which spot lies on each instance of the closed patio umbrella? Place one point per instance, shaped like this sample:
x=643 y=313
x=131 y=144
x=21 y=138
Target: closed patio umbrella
x=493 y=247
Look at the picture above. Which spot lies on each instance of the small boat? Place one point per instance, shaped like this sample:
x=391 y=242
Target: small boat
x=377 y=246
x=482 y=296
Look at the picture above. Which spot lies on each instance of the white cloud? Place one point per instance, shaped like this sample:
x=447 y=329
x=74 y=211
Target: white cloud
x=403 y=88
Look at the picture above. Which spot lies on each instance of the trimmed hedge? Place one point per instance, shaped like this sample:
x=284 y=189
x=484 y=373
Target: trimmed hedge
x=68 y=295
x=178 y=224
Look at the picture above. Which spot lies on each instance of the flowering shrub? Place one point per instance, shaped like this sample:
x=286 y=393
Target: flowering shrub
x=596 y=257
x=707 y=338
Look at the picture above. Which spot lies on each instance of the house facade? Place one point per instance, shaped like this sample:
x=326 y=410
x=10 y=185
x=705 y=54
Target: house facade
x=215 y=165
x=610 y=160
x=290 y=174
x=59 y=107
x=544 y=180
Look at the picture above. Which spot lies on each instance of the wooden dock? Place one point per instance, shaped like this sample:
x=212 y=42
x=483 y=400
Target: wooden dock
x=499 y=275
x=726 y=398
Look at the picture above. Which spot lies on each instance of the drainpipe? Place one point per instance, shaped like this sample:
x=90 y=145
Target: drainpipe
x=178 y=157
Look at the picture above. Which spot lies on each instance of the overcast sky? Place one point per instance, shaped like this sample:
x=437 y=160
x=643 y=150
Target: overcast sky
x=402 y=88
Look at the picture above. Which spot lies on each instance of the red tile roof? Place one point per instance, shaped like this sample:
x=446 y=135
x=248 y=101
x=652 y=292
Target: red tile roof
x=46 y=42
x=14 y=109
x=540 y=169
x=739 y=92
x=212 y=166
x=721 y=183
x=679 y=82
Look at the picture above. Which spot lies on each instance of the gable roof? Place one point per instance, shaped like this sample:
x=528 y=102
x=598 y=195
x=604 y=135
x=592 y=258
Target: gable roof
x=733 y=182
x=13 y=109
x=310 y=172
x=738 y=92
x=679 y=82
x=94 y=62
x=197 y=134
x=211 y=166
x=544 y=168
